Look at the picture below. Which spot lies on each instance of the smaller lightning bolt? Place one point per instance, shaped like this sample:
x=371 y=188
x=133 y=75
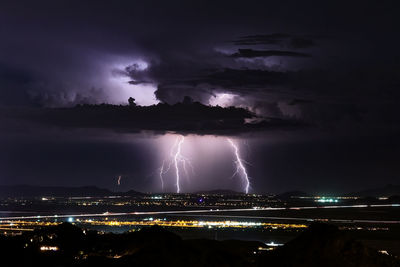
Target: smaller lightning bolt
x=240 y=168
x=119 y=180
x=164 y=170
x=161 y=175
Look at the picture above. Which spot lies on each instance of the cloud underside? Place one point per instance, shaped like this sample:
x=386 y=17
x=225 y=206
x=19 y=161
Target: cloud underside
x=251 y=53
x=280 y=39
x=193 y=118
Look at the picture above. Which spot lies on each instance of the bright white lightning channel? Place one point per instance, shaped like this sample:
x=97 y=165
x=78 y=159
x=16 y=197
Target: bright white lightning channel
x=240 y=168
x=178 y=160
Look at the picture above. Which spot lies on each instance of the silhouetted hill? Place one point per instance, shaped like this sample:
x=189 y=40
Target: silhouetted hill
x=325 y=245
x=388 y=190
x=131 y=193
x=320 y=245
x=153 y=246
x=219 y=192
x=290 y=194
x=59 y=191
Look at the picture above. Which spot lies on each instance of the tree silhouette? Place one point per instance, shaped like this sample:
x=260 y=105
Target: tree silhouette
x=131 y=102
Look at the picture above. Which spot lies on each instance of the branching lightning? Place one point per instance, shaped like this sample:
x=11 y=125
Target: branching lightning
x=182 y=167
x=240 y=168
x=177 y=160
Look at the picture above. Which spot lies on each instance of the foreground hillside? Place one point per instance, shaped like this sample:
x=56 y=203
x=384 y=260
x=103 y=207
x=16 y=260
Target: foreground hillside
x=68 y=245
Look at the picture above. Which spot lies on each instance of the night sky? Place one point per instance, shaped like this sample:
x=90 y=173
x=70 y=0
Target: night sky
x=328 y=71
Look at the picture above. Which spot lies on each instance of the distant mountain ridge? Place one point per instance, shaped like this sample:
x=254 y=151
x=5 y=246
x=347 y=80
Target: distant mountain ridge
x=94 y=191
x=290 y=194
x=59 y=191
x=219 y=192
x=384 y=191
x=387 y=191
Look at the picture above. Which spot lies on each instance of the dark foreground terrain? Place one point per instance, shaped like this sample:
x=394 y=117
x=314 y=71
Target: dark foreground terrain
x=68 y=245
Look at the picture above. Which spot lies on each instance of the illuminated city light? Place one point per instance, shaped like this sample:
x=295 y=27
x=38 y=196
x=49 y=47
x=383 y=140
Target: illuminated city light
x=326 y=200
x=273 y=244
x=199 y=224
x=385 y=252
x=48 y=248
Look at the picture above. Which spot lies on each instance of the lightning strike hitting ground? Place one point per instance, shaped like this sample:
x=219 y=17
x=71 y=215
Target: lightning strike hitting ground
x=240 y=168
x=178 y=160
x=161 y=175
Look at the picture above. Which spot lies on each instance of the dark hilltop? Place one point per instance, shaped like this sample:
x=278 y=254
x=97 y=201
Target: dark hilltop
x=68 y=245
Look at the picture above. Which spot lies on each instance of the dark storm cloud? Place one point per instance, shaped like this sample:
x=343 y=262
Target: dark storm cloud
x=72 y=45
x=185 y=118
x=334 y=65
x=243 y=78
x=16 y=81
x=280 y=39
x=250 y=53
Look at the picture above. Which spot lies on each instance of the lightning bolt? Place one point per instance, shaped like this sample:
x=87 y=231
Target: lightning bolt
x=240 y=168
x=161 y=175
x=177 y=160
x=119 y=180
